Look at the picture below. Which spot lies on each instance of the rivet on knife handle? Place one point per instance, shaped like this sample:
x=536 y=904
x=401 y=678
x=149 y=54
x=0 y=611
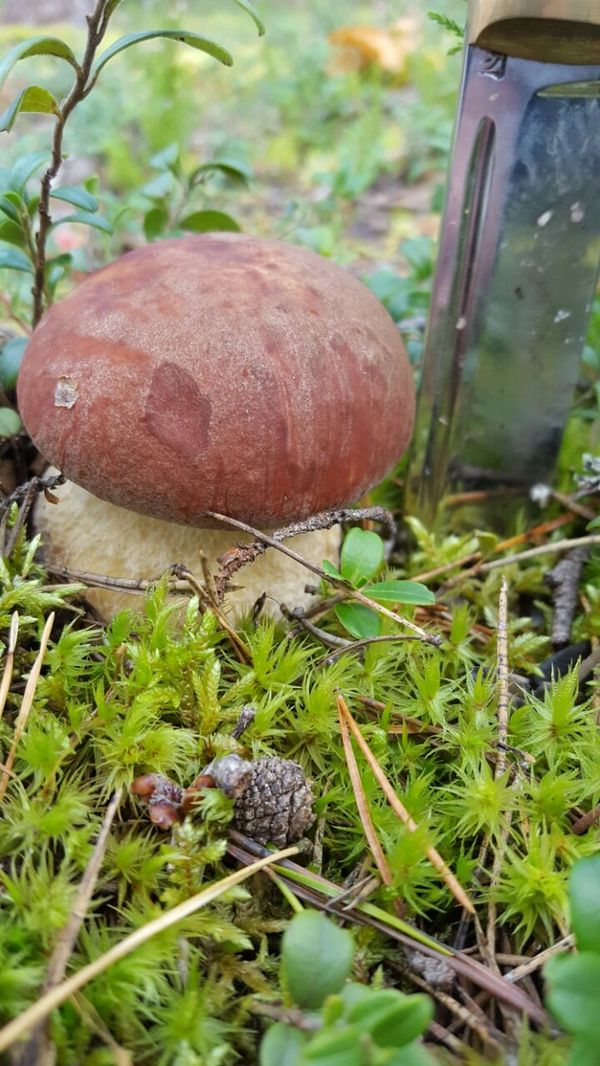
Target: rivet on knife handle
x=518 y=257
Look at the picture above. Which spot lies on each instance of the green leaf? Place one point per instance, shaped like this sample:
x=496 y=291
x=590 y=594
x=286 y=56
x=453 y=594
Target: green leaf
x=111 y=6
x=251 y=10
x=36 y=46
x=159 y=186
x=594 y=524
x=584 y=897
x=11 y=357
x=360 y=621
x=208 y=222
x=25 y=167
x=34 y=100
x=85 y=218
x=12 y=234
x=282 y=1045
x=194 y=40
x=236 y=172
x=76 y=196
x=316 y=958
x=15 y=260
x=335 y=1048
x=10 y=423
x=584 y=1053
x=10 y=203
x=391 y=1018
x=413 y=1055
x=362 y=555
x=330 y=569
x=573 y=992
x=400 y=592
x=167 y=159
x=155 y=222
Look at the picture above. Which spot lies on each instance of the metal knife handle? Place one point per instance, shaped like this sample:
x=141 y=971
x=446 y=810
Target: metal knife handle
x=551 y=31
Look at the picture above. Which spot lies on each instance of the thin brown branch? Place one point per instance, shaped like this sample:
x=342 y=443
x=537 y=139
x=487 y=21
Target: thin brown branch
x=271 y=541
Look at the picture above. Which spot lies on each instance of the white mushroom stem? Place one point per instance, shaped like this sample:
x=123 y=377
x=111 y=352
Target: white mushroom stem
x=83 y=533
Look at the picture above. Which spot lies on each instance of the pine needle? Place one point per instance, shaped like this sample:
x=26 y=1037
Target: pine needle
x=398 y=807
x=26 y=705
x=361 y=801
x=10 y=660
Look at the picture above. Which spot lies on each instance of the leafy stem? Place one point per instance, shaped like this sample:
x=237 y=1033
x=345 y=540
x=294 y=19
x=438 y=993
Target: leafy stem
x=97 y=26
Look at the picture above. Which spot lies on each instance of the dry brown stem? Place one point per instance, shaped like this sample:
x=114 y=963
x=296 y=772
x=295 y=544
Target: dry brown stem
x=26 y=705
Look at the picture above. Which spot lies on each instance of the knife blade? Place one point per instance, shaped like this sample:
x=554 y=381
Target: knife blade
x=519 y=251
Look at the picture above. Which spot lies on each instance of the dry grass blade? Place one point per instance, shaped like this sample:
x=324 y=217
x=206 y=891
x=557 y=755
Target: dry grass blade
x=361 y=802
x=542 y=549
x=10 y=660
x=398 y=807
x=26 y=704
x=55 y=996
x=539 y=960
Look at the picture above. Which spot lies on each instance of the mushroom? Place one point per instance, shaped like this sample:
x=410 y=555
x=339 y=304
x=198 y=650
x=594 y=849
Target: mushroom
x=220 y=373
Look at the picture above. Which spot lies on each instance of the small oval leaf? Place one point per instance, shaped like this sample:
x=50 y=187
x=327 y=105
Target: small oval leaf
x=209 y=222
x=251 y=10
x=155 y=222
x=10 y=423
x=282 y=1045
x=36 y=46
x=12 y=234
x=400 y=592
x=15 y=260
x=360 y=621
x=76 y=196
x=584 y=898
x=573 y=992
x=194 y=40
x=362 y=555
x=25 y=167
x=85 y=218
x=34 y=100
x=316 y=958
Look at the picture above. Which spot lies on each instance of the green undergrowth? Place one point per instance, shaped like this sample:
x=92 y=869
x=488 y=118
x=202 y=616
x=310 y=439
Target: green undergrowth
x=148 y=695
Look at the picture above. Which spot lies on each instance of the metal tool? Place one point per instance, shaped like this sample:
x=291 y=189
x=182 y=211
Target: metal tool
x=519 y=251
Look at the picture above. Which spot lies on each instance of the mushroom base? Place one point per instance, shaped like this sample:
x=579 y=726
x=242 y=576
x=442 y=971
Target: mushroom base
x=82 y=532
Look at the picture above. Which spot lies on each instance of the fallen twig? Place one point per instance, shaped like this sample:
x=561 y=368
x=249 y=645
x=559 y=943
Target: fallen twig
x=270 y=541
x=563 y=579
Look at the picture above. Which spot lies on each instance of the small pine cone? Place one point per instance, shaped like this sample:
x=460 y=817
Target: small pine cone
x=276 y=804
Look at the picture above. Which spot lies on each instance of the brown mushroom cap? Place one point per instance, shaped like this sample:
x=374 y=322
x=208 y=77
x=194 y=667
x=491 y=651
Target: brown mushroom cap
x=223 y=373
